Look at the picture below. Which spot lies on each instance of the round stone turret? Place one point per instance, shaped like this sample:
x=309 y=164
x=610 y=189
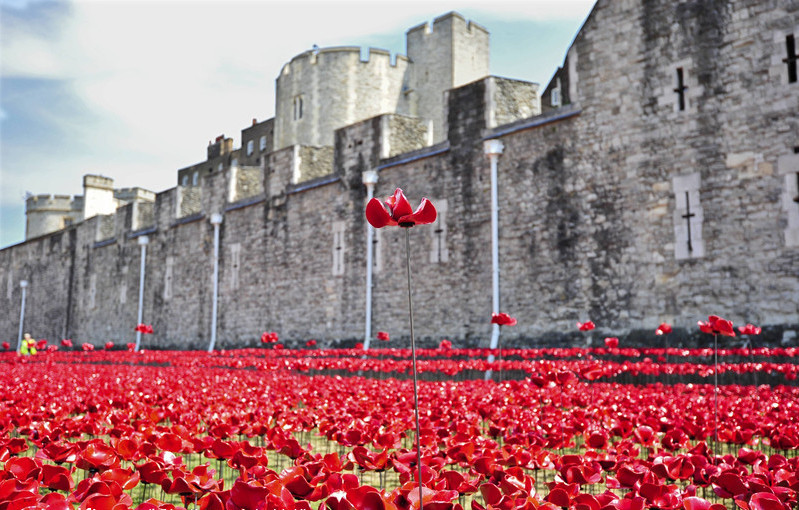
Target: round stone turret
x=322 y=90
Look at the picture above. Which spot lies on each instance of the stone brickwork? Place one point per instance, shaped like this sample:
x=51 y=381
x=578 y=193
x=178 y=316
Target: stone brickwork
x=593 y=195
x=314 y=162
x=406 y=134
x=249 y=183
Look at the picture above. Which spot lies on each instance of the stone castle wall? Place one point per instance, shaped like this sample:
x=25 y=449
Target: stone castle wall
x=591 y=224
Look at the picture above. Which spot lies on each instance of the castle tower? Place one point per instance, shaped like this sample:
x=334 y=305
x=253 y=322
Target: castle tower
x=322 y=90
x=98 y=196
x=50 y=213
x=451 y=53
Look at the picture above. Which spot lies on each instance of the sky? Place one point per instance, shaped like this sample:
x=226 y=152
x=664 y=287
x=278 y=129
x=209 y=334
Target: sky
x=135 y=89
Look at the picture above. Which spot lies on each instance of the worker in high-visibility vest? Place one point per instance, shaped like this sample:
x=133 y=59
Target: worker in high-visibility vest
x=28 y=347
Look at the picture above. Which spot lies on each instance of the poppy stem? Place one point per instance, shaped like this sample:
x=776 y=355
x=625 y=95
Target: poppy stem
x=413 y=357
x=716 y=392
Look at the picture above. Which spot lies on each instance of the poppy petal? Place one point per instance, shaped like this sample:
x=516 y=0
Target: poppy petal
x=377 y=216
x=424 y=214
x=399 y=205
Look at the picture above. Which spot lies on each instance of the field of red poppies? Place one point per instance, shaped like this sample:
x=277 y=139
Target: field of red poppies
x=590 y=429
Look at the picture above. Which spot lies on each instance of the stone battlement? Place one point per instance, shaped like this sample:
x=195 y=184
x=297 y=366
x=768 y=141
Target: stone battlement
x=60 y=203
x=449 y=19
x=327 y=56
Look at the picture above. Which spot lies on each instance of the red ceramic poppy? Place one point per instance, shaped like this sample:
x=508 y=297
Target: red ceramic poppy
x=664 y=329
x=502 y=319
x=611 y=342
x=399 y=212
x=145 y=329
x=269 y=338
x=66 y=342
x=749 y=329
x=717 y=325
x=310 y=343
x=6 y=346
x=382 y=335
x=585 y=326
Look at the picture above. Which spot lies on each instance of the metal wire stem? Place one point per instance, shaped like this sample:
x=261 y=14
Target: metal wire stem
x=413 y=356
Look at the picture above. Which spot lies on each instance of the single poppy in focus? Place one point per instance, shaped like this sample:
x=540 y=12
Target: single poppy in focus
x=109 y=346
x=611 y=342
x=87 y=347
x=663 y=329
x=445 y=345
x=41 y=344
x=6 y=346
x=749 y=329
x=382 y=335
x=716 y=325
x=502 y=319
x=310 y=343
x=66 y=343
x=399 y=212
x=585 y=326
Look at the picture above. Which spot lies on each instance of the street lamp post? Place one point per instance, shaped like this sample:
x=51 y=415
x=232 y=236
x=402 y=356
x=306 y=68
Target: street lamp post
x=493 y=149
x=216 y=220
x=369 y=180
x=143 y=241
x=24 y=286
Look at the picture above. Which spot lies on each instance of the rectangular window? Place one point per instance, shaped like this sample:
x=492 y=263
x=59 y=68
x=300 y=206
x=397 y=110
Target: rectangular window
x=250 y=147
x=170 y=262
x=263 y=143
x=688 y=217
x=438 y=232
x=338 y=248
x=93 y=291
x=123 y=286
x=235 y=258
x=788 y=169
x=555 y=97
x=195 y=178
x=297 y=107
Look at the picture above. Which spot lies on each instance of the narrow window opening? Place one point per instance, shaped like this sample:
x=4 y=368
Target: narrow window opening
x=790 y=60
x=680 y=89
x=796 y=198
x=298 y=108
x=555 y=97
x=338 y=248
x=250 y=147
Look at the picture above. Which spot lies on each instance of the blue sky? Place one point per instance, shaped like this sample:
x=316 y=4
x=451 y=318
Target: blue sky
x=134 y=90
